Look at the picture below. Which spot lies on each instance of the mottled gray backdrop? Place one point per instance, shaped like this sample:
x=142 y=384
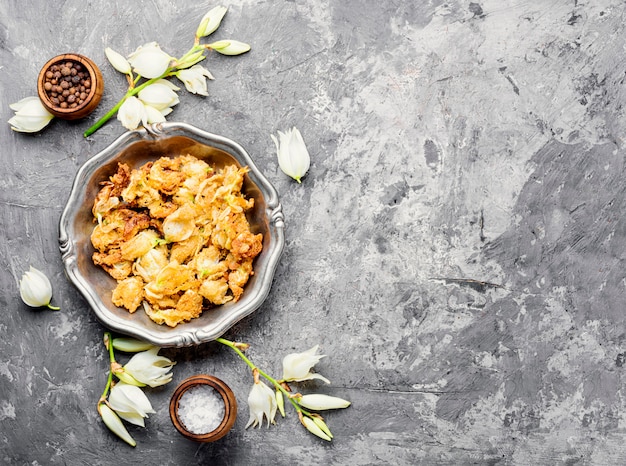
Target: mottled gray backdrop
x=457 y=248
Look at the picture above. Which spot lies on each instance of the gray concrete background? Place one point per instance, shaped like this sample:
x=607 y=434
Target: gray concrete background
x=457 y=248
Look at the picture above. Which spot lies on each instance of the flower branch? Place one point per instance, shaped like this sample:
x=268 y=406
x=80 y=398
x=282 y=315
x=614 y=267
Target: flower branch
x=132 y=91
x=154 y=65
x=124 y=399
x=263 y=402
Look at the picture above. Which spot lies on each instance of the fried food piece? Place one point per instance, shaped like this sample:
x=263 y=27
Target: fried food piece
x=128 y=293
x=175 y=236
x=174 y=277
x=165 y=175
x=194 y=169
x=113 y=262
x=116 y=227
x=160 y=300
x=189 y=307
x=215 y=291
x=246 y=245
x=182 y=251
x=161 y=209
x=121 y=179
x=151 y=263
x=138 y=193
x=238 y=277
x=107 y=198
x=208 y=264
x=181 y=224
x=139 y=244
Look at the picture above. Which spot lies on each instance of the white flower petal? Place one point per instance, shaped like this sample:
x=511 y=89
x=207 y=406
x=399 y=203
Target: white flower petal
x=230 y=47
x=114 y=423
x=149 y=61
x=118 y=61
x=293 y=156
x=153 y=115
x=159 y=96
x=262 y=403
x=297 y=366
x=19 y=105
x=132 y=113
x=130 y=403
x=129 y=399
x=30 y=115
x=194 y=79
x=149 y=368
x=318 y=402
x=35 y=288
x=211 y=21
x=133 y=418
x=168 y=83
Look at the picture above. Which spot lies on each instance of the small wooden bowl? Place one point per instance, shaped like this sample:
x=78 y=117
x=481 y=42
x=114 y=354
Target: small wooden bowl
x=230 y=407
x=93 y=96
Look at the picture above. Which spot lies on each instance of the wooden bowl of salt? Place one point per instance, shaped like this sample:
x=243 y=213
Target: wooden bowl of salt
x=203 y=408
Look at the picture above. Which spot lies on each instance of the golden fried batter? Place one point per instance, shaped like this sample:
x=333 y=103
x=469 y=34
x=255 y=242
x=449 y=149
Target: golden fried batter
x=188 y=307
x=174 y=235
x=246 y=245
x=215 y=291
x=128 y=293
x=165 y=175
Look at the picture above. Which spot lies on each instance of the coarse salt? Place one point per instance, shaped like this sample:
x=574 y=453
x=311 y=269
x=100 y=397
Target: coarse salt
x=201 y=409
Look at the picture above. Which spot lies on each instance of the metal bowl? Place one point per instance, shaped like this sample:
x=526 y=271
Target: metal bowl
x=136 y=148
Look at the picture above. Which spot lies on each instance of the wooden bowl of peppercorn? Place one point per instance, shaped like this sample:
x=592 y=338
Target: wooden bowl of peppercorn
x=70 y=86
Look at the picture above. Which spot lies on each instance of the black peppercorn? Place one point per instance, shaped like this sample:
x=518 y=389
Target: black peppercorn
x=67 y=84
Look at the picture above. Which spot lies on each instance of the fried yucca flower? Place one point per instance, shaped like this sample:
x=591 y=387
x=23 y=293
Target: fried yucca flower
x=174 y=235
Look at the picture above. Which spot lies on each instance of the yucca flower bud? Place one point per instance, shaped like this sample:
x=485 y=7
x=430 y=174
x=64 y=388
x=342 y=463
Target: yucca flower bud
x=229 y=47
x=280 y=402
x=130 y=403
x=322 y=425
x=130 y=345
x=312 y=427
x=293 y=156
x=211 y=21
x=190 y=59
x=321 y=402
x=30 y=115
x=117 y=61
x=114 y=423
x=35 y=289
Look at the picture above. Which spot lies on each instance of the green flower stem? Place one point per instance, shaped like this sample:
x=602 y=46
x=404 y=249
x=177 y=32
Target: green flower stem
x=192 y=50
x=54 y=308
x=253 y=366
x=134 y=90
x=131 y=92
x=108 y=342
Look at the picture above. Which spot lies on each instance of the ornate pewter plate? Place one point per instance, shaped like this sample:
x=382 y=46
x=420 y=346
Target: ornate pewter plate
x=136 y=148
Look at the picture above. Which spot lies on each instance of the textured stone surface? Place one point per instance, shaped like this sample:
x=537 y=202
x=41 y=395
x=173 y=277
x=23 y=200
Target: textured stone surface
x=457 y=248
